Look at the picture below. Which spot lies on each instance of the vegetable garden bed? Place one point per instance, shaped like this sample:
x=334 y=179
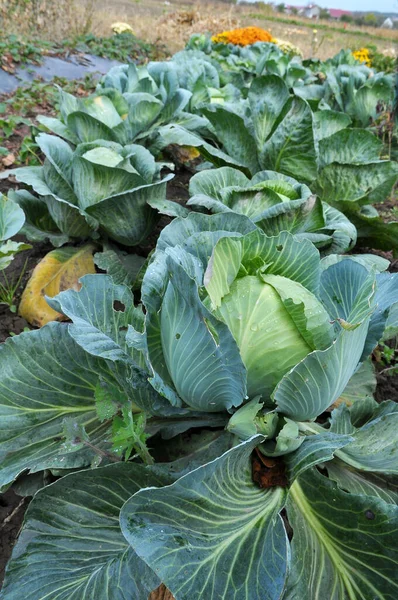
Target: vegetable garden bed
x=199 y=385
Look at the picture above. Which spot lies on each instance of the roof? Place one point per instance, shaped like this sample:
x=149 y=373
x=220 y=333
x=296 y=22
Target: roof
x=336 y=13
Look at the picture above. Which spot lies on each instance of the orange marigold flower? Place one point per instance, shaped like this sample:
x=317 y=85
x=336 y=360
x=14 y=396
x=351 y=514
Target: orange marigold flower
x=242 y=37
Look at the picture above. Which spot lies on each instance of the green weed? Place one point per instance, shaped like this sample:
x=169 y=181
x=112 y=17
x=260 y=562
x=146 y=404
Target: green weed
x=9 y=287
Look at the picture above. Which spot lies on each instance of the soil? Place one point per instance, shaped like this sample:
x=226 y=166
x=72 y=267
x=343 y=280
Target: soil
x=12 y=510
x=387 y=388
x=161 y=593
x=11 y=322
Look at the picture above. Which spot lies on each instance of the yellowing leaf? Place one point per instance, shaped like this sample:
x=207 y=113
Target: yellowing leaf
x=59 y=270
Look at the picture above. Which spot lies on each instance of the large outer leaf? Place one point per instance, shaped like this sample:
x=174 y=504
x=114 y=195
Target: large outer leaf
x=212 y=534
x=349 y=147
x=316 y=382
x=128 y=217
x=71 y=546
x=362 y=385
x=94 y=182
x=143 y=110
x=103 y=109
x=387 y=301
x=56 y=126
x=344 y=545
x=200 y=353
x=366 y=484
x=234 y=136
x=39 y=225
x=342 y=231
x=212 y=181
x=374 y=446
x=314 y=450
x=11 y=218
x=328 y=122
x=87 y=128
x=199 y=233
x=121 y=266
x=68 y=217
x=175 y=134
x=57 y=166
x=291 y=147
x=46 y=377
x=356 y=183
x=101 y=313
x=370 y=95
x=267 y=98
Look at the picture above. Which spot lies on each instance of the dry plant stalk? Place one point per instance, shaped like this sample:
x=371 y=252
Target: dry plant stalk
x=174 y=29
x=46 y=18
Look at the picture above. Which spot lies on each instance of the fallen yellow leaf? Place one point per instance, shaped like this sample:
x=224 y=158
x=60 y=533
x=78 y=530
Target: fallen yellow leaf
x=59 y=270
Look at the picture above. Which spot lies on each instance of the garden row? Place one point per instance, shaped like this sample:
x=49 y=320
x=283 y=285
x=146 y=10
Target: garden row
x=206 y=415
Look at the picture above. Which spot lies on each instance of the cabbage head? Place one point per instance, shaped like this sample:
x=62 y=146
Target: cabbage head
x=233 y=314
x=274 y=202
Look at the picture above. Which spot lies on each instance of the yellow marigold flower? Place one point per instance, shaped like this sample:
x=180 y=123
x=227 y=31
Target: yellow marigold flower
x=363 y=56
x=121 y=28
x=242 y=37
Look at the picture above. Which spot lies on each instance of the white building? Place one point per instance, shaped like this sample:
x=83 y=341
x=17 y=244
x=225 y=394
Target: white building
x=387 y=24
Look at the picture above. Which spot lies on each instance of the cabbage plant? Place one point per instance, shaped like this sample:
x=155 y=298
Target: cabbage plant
x=241 y=329
x=275 y=203
x=129 y=106
x=271 y=130
x=253 y=295
x=100 y=188
x=275 y=131
x=358 y=91
x=203 y=77
x=352 y=178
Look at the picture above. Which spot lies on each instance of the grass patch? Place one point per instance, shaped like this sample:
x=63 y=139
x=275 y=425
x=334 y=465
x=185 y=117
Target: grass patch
x=318 y=26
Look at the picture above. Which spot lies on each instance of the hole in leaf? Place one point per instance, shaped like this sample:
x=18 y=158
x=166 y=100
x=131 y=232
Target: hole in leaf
x=288 y=527
x=279 y=247
x=118 y=306
x=178 y=335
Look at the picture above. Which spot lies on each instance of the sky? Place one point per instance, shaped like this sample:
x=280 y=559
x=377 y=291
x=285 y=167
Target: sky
x=359 y=5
